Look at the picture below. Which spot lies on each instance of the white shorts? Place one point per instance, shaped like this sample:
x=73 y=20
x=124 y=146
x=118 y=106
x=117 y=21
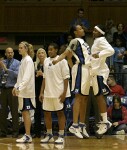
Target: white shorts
x=99 y=86
x=52 y=104
x=80 y=79
x=26 y=103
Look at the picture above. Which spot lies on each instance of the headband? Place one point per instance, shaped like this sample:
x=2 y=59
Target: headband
x=102 y=32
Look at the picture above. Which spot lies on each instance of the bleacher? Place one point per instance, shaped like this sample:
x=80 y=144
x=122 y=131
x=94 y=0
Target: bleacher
x=123 y=100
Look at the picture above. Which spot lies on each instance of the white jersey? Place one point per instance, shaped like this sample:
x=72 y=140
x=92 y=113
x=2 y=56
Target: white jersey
x=26 y=78
x=54 y=78
x=81 y=51
x=104 y=50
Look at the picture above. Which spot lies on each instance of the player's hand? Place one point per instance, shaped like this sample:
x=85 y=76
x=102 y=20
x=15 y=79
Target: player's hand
x=54 y=62
x=41 y=97
x=15 y=92
x=95 y=55
x=62 y=97
x=115 y=124
x=39 y=73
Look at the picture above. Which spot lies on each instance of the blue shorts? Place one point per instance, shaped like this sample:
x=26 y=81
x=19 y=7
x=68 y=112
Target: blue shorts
x=26 y=104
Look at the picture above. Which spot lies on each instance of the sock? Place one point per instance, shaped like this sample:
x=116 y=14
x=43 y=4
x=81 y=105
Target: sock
x=61 y=132
x=49 y=131
x=75 y=125
x=82 y=124
x=104 y=117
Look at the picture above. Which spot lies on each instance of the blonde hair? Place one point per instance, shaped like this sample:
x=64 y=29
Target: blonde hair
x=29 y=47
x=32 y=53
x=37 y=59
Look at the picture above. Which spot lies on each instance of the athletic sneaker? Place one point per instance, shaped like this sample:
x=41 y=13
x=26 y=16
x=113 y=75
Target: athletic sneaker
x=25 y=139
x=76 y=131
x=83 y=132
x=121 y=132
x=48 y=138
x=103 y=127
x=60 y=140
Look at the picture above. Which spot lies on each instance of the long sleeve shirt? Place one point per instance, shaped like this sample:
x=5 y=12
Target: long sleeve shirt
x=12 y=72
x=26 y=78
x=104 y=50
x=124 y=114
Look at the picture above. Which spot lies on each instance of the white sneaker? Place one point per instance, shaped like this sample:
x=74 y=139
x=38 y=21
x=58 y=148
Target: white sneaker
x=25 y=139
x=103 y=127
x=60 y=140
x=76 y=132
x=84 y=132
x=121 y=132
x=49 y=138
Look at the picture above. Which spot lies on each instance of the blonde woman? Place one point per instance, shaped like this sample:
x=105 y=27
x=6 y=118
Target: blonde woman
x=40 y=57
x=25 y=89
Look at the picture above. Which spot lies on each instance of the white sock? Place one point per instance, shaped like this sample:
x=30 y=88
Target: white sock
x=104 y=117
x=61 y=132
x=49 y=131
x=75 y=124
x=82 y=124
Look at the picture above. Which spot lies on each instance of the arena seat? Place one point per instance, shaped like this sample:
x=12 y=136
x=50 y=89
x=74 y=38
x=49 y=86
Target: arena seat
x=110 y=97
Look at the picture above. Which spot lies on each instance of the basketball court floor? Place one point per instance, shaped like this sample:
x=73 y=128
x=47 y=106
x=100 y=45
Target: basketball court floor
x=114 y=142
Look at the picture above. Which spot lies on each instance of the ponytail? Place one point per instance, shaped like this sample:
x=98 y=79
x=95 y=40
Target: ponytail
x=29 y=47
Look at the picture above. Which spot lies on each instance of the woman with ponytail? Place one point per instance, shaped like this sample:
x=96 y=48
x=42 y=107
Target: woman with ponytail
x=25 y=89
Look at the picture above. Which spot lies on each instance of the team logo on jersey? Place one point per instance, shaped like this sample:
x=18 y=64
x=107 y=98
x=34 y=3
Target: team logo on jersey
x=76 y=90
x=27 y=107
x=105 y=92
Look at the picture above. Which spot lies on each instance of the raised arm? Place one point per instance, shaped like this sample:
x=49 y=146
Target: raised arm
x=62 y=56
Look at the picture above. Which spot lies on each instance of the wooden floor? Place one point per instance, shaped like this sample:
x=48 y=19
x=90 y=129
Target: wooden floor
x=115 y=142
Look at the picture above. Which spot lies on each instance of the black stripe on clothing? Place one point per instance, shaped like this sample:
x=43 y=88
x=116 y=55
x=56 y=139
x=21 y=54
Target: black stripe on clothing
x=103 y=89
x=27 y=104
x=77 y=88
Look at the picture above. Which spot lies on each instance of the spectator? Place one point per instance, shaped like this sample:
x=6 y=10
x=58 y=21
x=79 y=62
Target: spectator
x=25 y=89
x=64 y=46
x=118 y=59
x=80 y=20
x=40 y=57
x=120 y=34
x=114 y=87
x=8 y=75
x=117 y=114
x=32 y=53
x=110 y=29
x=124 y=71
